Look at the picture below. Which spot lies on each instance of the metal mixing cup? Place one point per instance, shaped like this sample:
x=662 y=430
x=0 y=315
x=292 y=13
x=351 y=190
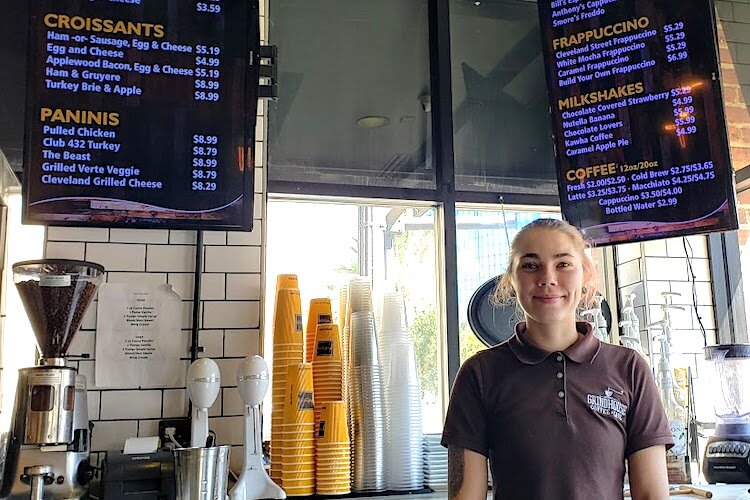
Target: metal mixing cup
x=201 y=473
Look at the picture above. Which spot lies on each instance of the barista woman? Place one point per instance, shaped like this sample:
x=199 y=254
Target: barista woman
x=554 y=410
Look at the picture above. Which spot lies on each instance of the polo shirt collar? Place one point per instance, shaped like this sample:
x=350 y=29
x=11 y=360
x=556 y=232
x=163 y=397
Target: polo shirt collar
x=583 y=350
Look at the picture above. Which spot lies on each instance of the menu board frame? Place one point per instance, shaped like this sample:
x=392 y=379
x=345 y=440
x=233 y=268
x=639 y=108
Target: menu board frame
x=621 y=176
x=122 y=212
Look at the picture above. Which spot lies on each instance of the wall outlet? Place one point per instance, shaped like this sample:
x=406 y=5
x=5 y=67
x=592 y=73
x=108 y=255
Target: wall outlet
x=182 y=431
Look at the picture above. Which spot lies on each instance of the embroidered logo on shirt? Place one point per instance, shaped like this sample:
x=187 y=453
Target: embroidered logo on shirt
x=607 y=404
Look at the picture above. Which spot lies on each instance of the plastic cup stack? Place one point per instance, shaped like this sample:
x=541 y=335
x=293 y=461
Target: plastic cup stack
x=298 y=433
x=366 y=405
x=332 y=462
x=435 y=463
x=287 y=350
x=318 y=313
x=403 y=421
x=327 y=375
x=393 y=327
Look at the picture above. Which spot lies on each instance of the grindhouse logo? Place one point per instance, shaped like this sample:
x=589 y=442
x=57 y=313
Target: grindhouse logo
x=607 y=404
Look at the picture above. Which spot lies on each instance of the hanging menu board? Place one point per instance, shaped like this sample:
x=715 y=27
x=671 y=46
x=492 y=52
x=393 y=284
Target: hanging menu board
x=637 y=116
x=141 y=113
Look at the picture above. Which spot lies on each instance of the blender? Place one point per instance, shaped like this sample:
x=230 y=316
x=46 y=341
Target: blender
x=727 y=457
x=47 y=454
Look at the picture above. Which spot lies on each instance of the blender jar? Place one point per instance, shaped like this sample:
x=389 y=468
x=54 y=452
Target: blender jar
x=730 y=376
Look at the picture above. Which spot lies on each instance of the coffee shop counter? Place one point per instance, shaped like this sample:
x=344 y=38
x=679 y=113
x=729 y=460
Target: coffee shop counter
x=718 y=492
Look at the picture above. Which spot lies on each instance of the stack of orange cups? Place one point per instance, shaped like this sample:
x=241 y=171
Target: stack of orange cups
x=327 y=367
x=298 y=433
x=332 y=464
x=320 y=313
x=287 y=350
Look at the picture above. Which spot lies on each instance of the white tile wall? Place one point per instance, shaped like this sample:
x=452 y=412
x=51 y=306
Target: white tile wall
x=214 y=237
x=148 y=428
x=241 y=342
x=229 y=312
x=138 y=235
x=215 y=410
x=117 y=256
x=243 y=287
x=93 y=398
x=655 y=248
x=242 y=259
x=245 y=238
x=213 y=286
x=666 y=269
x=112 y=435
x=233 y=403
x=77 y=234
x=147 y=279
x=212 y=342
x=228 y=430
x=118 y=405
x=179 y=237
x=65 y=250
x=170 y=258
x=175 y=403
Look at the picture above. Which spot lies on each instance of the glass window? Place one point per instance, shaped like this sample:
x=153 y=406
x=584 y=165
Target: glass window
x=327 y=244
x=483 y=238
x=501 y=126
x=354 y=95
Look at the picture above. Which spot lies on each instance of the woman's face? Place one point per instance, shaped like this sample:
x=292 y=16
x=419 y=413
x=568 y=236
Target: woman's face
x=548 y=277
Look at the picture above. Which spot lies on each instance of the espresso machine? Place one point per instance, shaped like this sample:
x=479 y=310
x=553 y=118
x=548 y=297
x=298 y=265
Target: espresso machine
x=47 y=446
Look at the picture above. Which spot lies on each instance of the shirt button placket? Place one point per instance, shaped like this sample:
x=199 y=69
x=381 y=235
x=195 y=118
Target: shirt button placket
x=560 y=384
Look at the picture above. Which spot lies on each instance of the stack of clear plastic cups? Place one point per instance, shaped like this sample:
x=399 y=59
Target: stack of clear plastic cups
x=435 y=463
x=287 y=350
x=403 y=441
x=343 y=300
x=358 y=299
x=298 y=433
x=327 y=376
x=332 y=464
x=393 y=327
x=319 y=313
x=366 y=408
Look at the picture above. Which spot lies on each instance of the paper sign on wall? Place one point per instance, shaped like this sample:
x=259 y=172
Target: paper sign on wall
x=138 y=337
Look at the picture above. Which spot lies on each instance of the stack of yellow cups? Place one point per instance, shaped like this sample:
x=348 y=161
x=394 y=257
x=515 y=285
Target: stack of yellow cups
x=287 y=350
x=332 y=464
x=319 y=313
x=327 y=367
x=298 y=433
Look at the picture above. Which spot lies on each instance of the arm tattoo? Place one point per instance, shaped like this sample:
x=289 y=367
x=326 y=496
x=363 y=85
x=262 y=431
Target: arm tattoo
x=455 y=470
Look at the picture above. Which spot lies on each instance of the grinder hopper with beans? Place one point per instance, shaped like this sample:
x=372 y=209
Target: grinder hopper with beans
x=47 y=447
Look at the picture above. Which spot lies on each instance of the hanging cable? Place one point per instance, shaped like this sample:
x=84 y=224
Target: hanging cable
x=691 y=276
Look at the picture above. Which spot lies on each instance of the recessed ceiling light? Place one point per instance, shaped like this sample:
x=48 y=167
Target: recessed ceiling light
x=372 y=122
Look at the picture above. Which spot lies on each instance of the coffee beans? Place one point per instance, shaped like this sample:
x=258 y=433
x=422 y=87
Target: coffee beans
x=56 y=312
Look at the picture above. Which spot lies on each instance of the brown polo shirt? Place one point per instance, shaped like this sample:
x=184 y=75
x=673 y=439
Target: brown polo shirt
x=556 y=425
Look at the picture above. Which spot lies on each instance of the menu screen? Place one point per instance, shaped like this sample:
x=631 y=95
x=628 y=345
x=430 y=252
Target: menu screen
x=141 y=113
x=638 y=122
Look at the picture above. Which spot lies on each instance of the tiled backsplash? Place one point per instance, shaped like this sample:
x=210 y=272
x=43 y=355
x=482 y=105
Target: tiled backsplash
x=229 y=315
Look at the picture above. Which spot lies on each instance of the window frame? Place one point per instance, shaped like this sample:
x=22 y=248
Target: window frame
x=445 y=195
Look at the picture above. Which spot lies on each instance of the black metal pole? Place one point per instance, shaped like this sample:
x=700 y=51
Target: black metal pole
x=442 y=126
x=198 y=273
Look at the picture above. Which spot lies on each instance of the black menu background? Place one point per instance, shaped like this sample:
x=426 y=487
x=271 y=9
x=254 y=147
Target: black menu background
x=652 y=182
x=160 y=131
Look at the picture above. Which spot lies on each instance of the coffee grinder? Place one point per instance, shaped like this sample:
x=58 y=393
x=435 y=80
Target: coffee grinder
x=47 y=454
x=727 y=457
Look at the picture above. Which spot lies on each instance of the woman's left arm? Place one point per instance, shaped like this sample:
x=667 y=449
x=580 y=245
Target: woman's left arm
x=647 y=470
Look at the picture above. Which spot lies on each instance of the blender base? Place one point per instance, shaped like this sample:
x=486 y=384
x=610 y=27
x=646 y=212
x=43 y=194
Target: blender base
x=727 y=458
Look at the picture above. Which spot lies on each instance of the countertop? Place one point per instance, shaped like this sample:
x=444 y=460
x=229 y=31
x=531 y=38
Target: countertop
x=720 y=492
